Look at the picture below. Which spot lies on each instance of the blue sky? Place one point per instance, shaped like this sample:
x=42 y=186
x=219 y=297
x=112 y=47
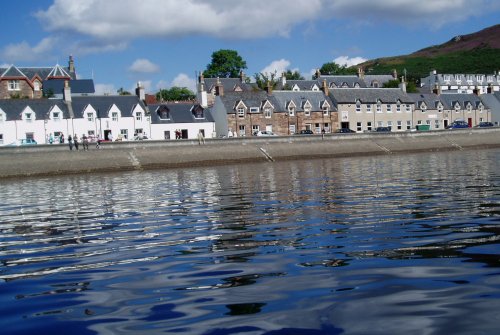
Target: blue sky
x=164 y=43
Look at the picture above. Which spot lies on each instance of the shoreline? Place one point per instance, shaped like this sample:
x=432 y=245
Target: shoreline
x=48 y=160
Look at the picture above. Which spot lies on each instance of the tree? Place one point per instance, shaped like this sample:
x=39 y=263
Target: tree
x=333 y=68
x=392 y=83
x=175 y=94
x=121 y=91
x=225 y=64
x=264 y=79
x=289 y=75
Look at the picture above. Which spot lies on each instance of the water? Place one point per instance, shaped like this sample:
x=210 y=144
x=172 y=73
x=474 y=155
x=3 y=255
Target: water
x=402 y=244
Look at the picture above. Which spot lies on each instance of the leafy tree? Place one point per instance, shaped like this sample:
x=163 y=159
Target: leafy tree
x=392 y=83
x=225 y=64
x=289 y=75
x=333 y=68
x=263 y=79
x=121 y=91
x=48 y=94
x=175 y=94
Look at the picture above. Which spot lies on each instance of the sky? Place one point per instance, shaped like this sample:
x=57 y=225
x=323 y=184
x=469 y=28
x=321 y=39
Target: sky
x=165 y=43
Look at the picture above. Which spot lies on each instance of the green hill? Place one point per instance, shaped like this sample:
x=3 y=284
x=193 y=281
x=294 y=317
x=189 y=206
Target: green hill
x=474 y=53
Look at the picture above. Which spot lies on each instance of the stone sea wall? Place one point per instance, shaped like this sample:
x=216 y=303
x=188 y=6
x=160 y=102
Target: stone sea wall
x=42 y=160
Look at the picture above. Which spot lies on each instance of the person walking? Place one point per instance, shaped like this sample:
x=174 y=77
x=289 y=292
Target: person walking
x=70 y=142
x=61 y=138
x=75 y=140
x=98 y=142
x=85 y=141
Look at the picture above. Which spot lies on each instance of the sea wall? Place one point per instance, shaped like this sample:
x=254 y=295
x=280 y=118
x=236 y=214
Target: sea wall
x=118 y=156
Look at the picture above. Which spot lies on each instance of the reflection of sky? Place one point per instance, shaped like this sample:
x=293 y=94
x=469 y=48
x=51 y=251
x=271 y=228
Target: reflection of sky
x=301 y=244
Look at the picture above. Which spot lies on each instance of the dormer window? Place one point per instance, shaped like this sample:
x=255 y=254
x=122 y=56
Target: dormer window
x=28 y=117
x=368 y=108
x=56 y=116
x=138 y=116
x=36 y=85
x=114 y=116
x=90 y=117
x=163 y=113
x=291 y=110
x=440 y=108
x=408 y=108
x=14 y=85
x=423 y=107
x=358 y=106
x=307 y=110
x=241 y=112
x=447 y=77
x=268 y=112
x=198 y=112
x=326 y=110
x=389 y=108
x=379 y=107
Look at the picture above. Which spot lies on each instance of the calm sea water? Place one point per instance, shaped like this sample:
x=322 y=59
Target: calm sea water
x=403 y=244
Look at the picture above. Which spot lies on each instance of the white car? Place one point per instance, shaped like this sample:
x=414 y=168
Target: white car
x=264 y=133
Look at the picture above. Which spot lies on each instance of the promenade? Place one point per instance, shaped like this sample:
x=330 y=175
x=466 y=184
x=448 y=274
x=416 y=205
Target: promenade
x=43 y=160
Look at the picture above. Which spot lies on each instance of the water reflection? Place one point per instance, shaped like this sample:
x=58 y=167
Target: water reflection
x=410 y=242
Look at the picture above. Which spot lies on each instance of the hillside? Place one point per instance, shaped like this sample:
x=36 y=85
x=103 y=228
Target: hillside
x=478 y=52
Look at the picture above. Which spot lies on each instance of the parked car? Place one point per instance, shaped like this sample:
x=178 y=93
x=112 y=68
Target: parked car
x=345 y=130
x=485 y=124
x=458 y=124
x=382 y=129
x=264 y=133
x=305 y=132
x=22 y=142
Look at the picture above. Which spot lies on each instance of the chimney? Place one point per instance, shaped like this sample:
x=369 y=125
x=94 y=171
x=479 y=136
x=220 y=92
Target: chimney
x=325 y=88
x=269 y=87
x=489 y=90
x=394 y=74
x=476 y=90
x=139 y=91
x=242 y=76
x=201 y=95
x=219 y=88
x=67 y=91
x=71 y=65
x=283 y=79
x=437 y=89
x=433 y=72
x=361 y=73
x=402 y=85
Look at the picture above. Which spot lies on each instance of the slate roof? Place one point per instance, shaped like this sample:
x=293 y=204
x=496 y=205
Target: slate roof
x=102 y=104
x=179 y=113
x=459 y=79
x=343 y=80
x=249 y=98
x=369 y=95
x=304 y=85
x=491 y=101
x=450 y=99
x=13 y=108
x=78 y=86
x=42 y=72
x=431 y=100
x=282 y=99
x=229 y=84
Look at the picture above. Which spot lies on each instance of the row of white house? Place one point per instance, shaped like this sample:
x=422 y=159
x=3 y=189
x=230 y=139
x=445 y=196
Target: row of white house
x=107 y=117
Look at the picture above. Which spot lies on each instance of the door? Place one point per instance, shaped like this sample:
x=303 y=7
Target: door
x=469 y=121
x=445 y=124
x=344 y=125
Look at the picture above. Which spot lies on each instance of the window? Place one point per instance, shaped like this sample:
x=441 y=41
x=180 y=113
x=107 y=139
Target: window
x=327 y=127
x=307 y=111
x=400 y=125
x=90 y=117
x=428 y=122
x=241 y=112
x=359 y=126
x=326 y=111
x=292 y=129
x=30 y=136
x=369 y=126
x=358 y=107
x=166 y=134
x=14 y=85
x=368 y=108
x=163 y=113
x=317 y=128
x=28 y=117
x=419 y=122
x=389 y=124
x=254 y=109
x=114 y=116
x=36 y=85
x=436 y=124
x=291 y=111
x=255 y=128
x=408 y=125
x=389 y=108
x=138 y=116
x=398 y=108
x=440 y=108
x=380 y=123
x=268 y=113
x=124 y=133
x=241 y=130
x=379 y=108
x=56 y=116
x=408 y=108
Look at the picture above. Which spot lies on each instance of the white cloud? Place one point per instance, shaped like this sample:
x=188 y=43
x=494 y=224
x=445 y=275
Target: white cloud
x=345 y=60
x=278 y=66
x=25 y=52
x=143 y=65
x=183 y=80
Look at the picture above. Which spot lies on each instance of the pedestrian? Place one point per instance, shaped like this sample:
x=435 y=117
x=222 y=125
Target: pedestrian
x=85 y=142
x=61 y=139
x=70 y=142
x=110 y=137
x=201 y=139
x=75 y=140
x=51 y=138
x=98 y=142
